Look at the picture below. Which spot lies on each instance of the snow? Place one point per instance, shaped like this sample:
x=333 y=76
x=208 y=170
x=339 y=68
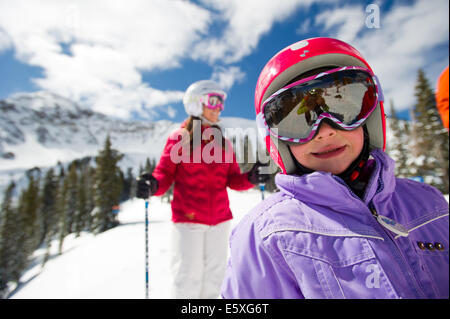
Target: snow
x=40 y=100
x=47 y=156
x=111 y=265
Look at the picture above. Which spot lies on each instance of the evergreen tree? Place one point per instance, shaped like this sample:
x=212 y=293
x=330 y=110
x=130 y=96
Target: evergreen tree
x=72 y=209
x=82 y=211
x=133 y=185
x=108 y=186
x=148 y=166
x=431 y=147
x=28 y=222
x=127 y=184
x=48 y=212
x=398 y=148
x=90 y=198
x=61 y=204
x=85 y=197
x=8 y=239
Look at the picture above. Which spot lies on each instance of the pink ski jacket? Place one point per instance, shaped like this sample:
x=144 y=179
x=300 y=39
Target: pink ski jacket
x=200 y=189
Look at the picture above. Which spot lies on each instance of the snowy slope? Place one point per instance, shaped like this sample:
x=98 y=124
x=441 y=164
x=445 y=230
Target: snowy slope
x=112 y=264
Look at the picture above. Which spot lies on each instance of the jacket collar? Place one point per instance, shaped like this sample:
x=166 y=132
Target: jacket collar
x=326 y=189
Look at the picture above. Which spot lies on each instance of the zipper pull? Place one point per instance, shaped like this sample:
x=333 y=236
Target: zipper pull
x=390 y=224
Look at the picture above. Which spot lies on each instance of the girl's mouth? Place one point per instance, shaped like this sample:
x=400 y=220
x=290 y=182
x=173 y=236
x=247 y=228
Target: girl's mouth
x=332 y=152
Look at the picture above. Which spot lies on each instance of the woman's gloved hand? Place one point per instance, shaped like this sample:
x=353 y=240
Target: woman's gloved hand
x=255 y=177
x=147 y=185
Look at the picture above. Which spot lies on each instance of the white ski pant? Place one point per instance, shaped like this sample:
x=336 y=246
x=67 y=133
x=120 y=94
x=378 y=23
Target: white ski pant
x=198 y=261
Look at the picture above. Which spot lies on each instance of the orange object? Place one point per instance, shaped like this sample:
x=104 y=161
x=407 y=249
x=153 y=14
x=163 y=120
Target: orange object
x=442 y=96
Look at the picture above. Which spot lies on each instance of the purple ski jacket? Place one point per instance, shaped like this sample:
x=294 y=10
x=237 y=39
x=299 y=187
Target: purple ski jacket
x=316 y=239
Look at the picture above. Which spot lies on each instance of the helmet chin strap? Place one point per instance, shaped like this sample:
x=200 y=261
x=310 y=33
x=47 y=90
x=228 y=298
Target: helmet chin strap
x=352 y=175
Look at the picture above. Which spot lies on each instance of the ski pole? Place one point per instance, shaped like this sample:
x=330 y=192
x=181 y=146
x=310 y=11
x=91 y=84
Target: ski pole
x=146 y=249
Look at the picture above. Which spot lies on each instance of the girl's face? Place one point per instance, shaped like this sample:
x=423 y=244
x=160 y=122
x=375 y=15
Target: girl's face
x=211 y=115
x=331 y=150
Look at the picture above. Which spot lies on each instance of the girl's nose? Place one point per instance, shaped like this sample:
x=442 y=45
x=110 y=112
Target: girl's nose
x=325 y=131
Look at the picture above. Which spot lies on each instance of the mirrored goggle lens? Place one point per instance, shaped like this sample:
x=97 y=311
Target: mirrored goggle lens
x=214 y=101
x=347 y=97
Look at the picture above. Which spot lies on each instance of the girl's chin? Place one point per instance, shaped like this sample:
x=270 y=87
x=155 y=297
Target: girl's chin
x=329 y=169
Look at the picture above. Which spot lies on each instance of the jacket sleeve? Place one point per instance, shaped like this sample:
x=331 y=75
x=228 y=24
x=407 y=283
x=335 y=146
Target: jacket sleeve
x=442 y=97
x=254 y=270
x=236 y=180
x=165 y=170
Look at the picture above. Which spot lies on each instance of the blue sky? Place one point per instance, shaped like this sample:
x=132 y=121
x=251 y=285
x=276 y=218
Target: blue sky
x=134 y=59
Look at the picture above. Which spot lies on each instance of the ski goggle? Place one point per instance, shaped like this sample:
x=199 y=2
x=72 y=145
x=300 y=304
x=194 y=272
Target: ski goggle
x=213 y=101
x=345 y=96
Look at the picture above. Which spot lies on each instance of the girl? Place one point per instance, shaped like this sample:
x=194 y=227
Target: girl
x=200 y=208
x=342 y=225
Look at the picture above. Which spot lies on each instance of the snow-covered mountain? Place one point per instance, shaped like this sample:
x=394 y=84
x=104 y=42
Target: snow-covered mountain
x=38 y=129
x=42 y=128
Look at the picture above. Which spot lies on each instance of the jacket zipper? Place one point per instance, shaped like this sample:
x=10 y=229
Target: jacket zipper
x=412 y=275
x=375 y=215
x=210 y=212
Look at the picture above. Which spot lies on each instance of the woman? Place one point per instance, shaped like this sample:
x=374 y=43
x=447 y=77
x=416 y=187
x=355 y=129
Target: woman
x=200 y=207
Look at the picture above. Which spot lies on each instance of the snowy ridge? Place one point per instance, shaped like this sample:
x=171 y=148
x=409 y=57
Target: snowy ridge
x=59 y=130
x=41 y=128
x=43 y=101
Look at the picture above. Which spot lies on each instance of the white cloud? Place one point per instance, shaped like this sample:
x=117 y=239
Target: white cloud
x=5 y=42
x=110 y=44
x=171 y=112
x=95 y=51
x=247 y=21
x=347 y=22
x=140 y=99
x=304 y=27
x=226 y=77
x=406 y=41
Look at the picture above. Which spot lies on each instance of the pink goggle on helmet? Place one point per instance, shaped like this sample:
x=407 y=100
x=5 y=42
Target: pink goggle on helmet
x=290 y=110
x=213 y=100
x=203 y=93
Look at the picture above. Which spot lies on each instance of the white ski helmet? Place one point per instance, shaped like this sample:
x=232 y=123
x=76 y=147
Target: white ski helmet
x=192 y=96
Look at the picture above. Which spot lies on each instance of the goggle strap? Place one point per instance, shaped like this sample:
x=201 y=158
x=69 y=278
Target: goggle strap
x=380 y=90
x=263 y=129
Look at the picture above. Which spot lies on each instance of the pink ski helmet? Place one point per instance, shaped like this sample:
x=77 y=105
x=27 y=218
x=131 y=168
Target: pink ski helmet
x=297 y=59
